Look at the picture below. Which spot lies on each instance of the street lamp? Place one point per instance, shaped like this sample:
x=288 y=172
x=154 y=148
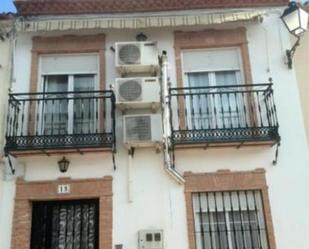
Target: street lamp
x=296 y=21
x=63 y=165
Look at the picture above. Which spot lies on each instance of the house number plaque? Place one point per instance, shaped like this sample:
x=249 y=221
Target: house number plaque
x=64 y=189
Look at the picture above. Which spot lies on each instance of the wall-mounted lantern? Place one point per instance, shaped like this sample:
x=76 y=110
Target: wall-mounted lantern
x=63 y=165
x=295 y=19
x=141 y=37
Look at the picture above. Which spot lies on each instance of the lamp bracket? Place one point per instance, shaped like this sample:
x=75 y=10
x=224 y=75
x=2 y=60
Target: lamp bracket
x=131 y=151
x=275 y=161
x=290 y=53
x=11 y=164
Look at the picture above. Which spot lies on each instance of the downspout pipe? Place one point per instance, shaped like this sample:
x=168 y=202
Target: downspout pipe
x=166 y=122
x=129 y=174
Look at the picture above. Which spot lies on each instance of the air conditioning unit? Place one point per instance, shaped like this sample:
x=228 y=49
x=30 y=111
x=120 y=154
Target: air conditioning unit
x=137 y=92
x=150 y=239
x=137 y=57
x=144 y=130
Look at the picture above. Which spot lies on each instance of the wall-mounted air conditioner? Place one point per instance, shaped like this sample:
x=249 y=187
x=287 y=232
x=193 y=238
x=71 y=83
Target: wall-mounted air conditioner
x=144 y=130
x=150 y=239
x=137 y=92
x=137 y=57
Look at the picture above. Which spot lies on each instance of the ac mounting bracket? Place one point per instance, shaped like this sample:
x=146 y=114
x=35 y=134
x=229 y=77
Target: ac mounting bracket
x=131 y=151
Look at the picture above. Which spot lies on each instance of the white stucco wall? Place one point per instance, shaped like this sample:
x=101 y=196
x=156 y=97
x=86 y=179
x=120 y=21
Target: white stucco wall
x=6 y=186
x=301 y=64
x=4 y=79
x=6 y=207
x=158 y=201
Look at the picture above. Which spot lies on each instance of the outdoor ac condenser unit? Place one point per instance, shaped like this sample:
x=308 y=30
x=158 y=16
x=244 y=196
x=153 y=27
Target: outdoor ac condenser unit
x=150 y=239
x=137 y=57
x=144 y=130
x=138 y=92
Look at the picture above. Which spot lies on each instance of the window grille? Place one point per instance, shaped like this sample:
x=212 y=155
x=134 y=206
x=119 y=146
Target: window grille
x=229 y=220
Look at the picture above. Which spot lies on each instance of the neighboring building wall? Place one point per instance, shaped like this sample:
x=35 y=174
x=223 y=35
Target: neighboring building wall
x=301 y=63
x=5 y=70
x=6 y=187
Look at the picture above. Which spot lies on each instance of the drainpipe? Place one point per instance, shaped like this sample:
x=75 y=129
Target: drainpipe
x=129 y=174
x=169 y=168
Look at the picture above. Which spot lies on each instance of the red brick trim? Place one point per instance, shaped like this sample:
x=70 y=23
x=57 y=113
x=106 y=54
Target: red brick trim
x=43 y=7
x=227 y=181
x=26 y=192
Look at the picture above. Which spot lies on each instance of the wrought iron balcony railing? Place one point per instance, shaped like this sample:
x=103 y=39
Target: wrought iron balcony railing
x=60 y=120
x=238 y=114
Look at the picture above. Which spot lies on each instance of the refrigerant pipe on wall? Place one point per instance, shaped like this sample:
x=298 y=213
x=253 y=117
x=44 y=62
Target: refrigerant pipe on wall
x=129 y=174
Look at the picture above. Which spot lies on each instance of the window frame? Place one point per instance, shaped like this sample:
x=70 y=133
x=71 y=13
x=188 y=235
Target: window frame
x=240 y=78
x=209 y=39
x=66 y=45
x=71 y=76
x=29 y=191
x=225 y=180
x=40 y=86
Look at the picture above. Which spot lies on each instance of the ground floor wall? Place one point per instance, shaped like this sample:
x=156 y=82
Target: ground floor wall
x=148 y=198
x=6 y=211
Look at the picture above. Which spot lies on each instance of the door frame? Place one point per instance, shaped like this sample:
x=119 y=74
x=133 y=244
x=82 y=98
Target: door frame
x=29 y=191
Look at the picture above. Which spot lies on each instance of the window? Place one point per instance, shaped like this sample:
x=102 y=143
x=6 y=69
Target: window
x=229 y=220
x=65 y=224
x=69 y=108
x=206 y=72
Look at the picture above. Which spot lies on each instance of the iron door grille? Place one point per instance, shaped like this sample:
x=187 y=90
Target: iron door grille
x=65 y=225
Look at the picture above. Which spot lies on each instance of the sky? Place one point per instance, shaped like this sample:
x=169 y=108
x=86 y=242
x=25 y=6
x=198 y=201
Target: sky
x=7 y=6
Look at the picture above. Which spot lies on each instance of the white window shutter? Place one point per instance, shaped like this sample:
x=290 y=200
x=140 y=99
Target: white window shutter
x=211 y=60
x=69 y=64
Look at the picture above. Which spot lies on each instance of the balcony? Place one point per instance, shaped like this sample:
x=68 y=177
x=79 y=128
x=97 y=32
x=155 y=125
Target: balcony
x=66 y=122
x=223 y=116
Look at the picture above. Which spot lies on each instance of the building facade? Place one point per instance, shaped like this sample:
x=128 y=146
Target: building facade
x=140 y=124
x=6 y=24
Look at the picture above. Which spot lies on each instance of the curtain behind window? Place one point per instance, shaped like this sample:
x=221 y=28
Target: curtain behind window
x=56 y=106
x=200 y=114
x=84 y=108
x=215 y=107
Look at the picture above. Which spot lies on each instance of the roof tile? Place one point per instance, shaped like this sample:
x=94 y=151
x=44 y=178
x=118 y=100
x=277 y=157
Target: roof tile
x=62 y=7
